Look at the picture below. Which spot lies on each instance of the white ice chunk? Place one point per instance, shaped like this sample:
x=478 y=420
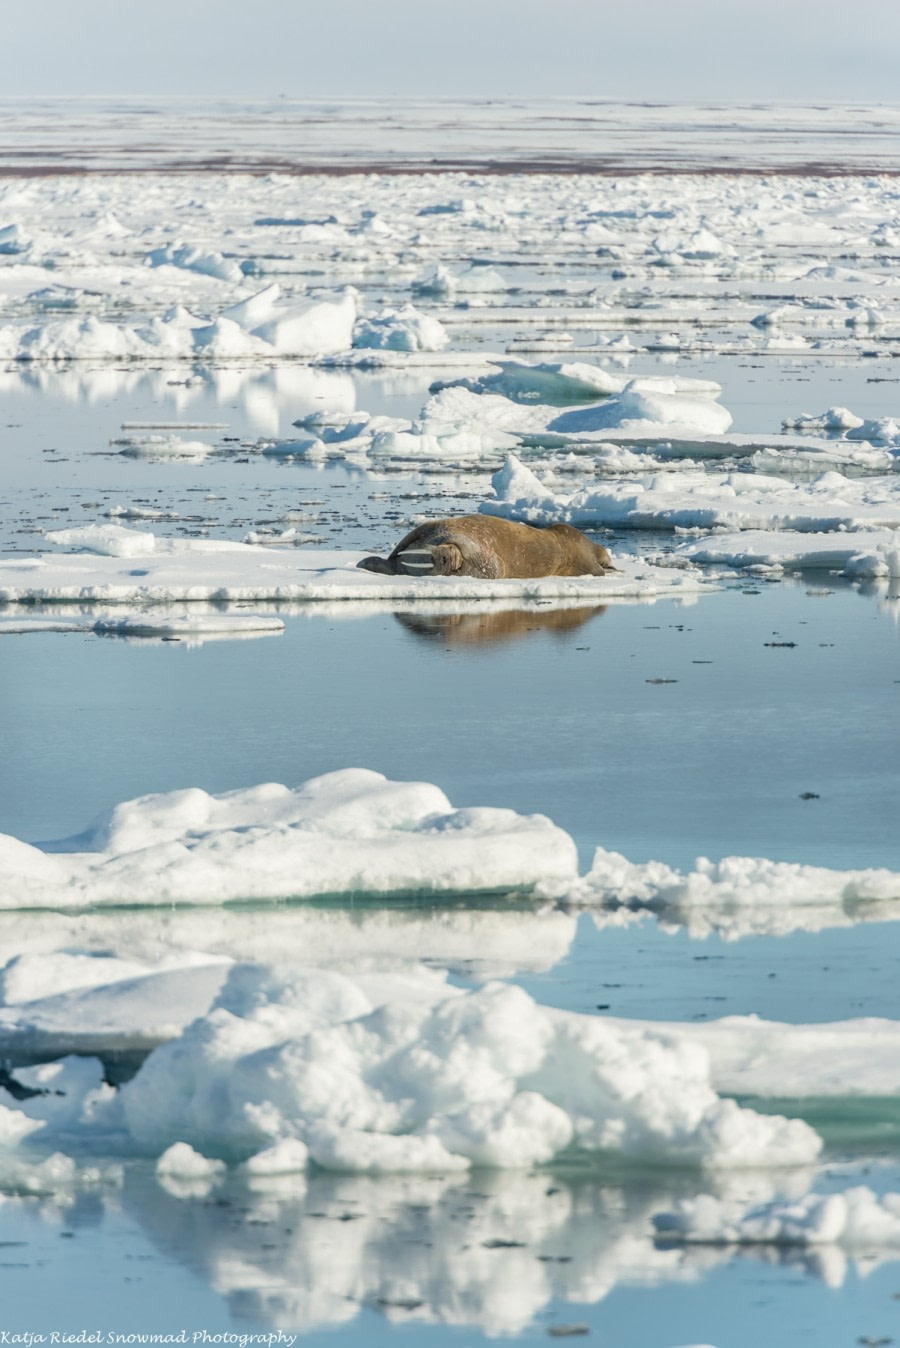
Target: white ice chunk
x=191 y=258
x=182 y=1162
x=401 y=330
x=860 y=553
x=834 y=419
x=13 y=240
x=347 y=832
x=695 y=499
x=731 y=882
x=486 y=1077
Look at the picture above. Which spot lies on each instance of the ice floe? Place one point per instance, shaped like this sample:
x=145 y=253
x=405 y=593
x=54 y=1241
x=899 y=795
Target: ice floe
x=700 y=500
x=180 y=570
x=270 y=842
x=731 y=882
x=858 y=554
x=551 y=383
x=350 y=831
x=154 y=625
x=406 y=330
x=480 y=416
x=386 y=1070
x=208 y=263
x=251 y=328
x=486 y=1078
x=244 y=1056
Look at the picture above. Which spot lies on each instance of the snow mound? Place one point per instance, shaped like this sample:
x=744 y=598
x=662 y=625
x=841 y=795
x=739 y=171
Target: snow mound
x=105 y=540
x=485 y=1078
x=648 y=406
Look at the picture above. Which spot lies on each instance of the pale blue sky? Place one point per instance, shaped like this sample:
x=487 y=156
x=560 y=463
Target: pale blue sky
x=828 y=50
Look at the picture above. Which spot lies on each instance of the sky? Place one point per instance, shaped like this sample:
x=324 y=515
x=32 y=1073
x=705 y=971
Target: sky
x=684 y=50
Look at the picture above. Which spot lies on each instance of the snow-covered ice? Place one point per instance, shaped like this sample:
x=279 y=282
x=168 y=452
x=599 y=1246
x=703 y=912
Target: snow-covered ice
x=733 y=882
x=350 y=832
x=701 y=500
x=222 y=571
x=858 y=553
x=486 y=1078
x=384 y=1072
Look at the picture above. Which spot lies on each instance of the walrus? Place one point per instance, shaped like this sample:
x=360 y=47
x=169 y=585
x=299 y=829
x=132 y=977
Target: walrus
x=490 y=548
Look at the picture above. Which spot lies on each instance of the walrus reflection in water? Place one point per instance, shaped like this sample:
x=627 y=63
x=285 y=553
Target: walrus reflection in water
x=489 y=548
x=475 y=629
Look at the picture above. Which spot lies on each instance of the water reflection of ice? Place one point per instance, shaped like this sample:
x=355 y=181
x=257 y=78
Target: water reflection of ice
x=490 y=1253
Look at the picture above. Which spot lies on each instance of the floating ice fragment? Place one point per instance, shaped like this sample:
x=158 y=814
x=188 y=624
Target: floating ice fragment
x=401 y=330
x=486 y=1077
x=253 y=328
x=694 y=498
x=105 y=540
x=13 y=240
x=282 y=1158
x=440 y=282
x=730 y=882
x=834 y=419
x=347 y=832
x=208 y=263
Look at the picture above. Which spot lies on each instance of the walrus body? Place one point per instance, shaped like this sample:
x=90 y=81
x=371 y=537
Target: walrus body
x=490 y=548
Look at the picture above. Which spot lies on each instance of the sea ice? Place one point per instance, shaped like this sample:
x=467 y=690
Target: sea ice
x=220 y=570
x=481 y=1078
x=858 y=554
x=403 y=330
x=208 y=263
x=183 y=1162
x=251 y=328
x=347 y=832
x=700 y=500
x=733 y=882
